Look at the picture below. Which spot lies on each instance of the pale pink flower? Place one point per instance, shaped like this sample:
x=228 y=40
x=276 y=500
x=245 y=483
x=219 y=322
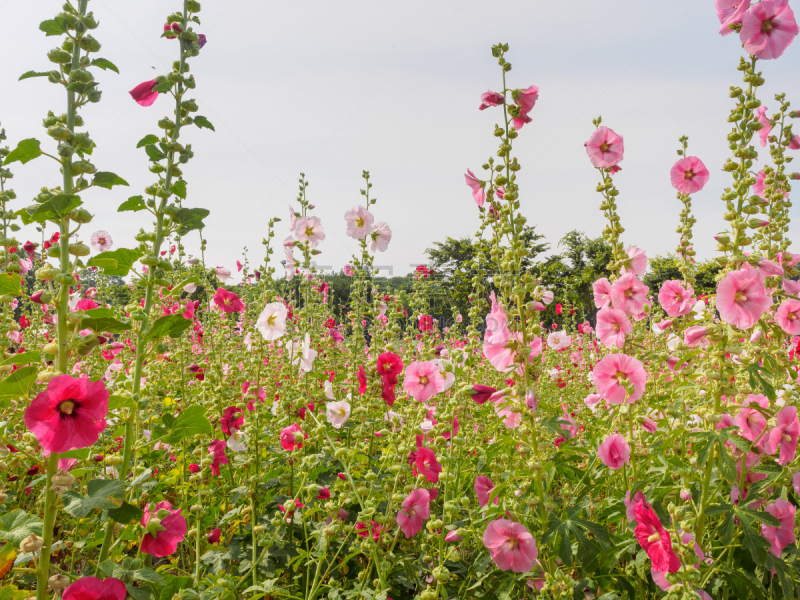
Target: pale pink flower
x=558 y=340
x=649 y=425
x=337 y=413
x=423 y=380
x=784 y=435
x=787 y=316
x=222 y=274
x=630 y=505
x=612 y=327
x=380 y=236
x=507 y=411
x=614 y=451
x=689 y=175
x=490 y=98
x=415 y=509
x=768 y=28
x=628 y=294
x=101 y=241
x=763 y=134
x=349 y=270
x=696 y=335
x=730 y=12
x=605 y=148
x=359 y=222
x=791 y=287
x=783 y=535
x=483 y=489
x=742 y=298
x=602 y=292
x=272 y=321
x=511 y=546
x=309 y=229
x=752 y=422
x=675 y=299
x=478 y=193
x=548 y=297
x=592 y=400
x=636 y=261
x=616 y=372
x=769 y=268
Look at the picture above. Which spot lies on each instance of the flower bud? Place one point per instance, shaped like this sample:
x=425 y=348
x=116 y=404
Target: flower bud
x=57 y=582
x=32 y=543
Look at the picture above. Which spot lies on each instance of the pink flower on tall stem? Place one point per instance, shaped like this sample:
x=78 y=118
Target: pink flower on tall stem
x=602 y=292
x=750 y=421
x=768 y=28
x=510 y=545
x=787 y=316
x=415 y=509
x=490 y=98
x=628 y=294
x=655 y=540
x=619 y=378
x=783 y=535
x=763 y=134
x=612 y=327
x=478 y=192
x=101 y=241
x=483 y=489
x=730 y=12
x=359 y=222
x=217 y=451
x=689 y=175
x=92 y=588
x=614 y=451
x=526 y=100
x=605 y=148
x=144 y=94
x=292 y=437
x=784 y=435
x=229 y=422
x=423 y=380
x=696 y=336
x=426 y=463
x=309 y=229
x=675 y=299
x=636 y=261
x=164 y=528
x=228 y=302
x=742 y=298
x=69 y=415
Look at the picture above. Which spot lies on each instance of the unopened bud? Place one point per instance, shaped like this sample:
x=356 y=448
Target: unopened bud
x=32 y=543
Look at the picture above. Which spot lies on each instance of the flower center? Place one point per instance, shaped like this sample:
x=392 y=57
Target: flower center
x=689 y=174
x=359 y=222
x=271 y=320
x=786 y=437
x=512 y=543
x=654 y=537
x=791 y=316
x=604 y=147
x=739 y=297
x=423 y=380
x=341 y=413
x=309 y=232
x=767 y=26
x=67 y=407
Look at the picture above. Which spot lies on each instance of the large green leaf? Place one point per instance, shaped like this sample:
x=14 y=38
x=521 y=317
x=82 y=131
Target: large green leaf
x=25 y=151
x=103 y=320
x=115 y=262
x=190 y=421
x=132 y=204
x=54 y=209
x=107 y=180
x=16 y=525
x=16 y=385
x=170 y=325
x=189 y=219
x=104 y=64
x=57 y=26
x=30 y=74
x=127 y=513
x=23 y=358
x=10 y=284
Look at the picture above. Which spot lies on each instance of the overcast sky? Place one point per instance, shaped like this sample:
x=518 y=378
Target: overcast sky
x=332 y=88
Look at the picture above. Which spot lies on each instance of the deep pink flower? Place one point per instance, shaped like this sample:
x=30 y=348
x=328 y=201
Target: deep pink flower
x=605 y=148
x=427 y=464
x=784 y=435
x=730 y=12
x=613 y=373
x=164 y=529
x=143 y=94
x=630 y=505
x=787 y=316
x=628 y=294
x=742 y=298
x=173 y=28
x=675 y=299
x=213 y=537
x=481 y=393
x=217 y=451
x=362 y=380
x=69 y=415
x=655 y=540
x=511 y=546
x=612 y=327
x=483 y=489
x=92 y=588
x=415 y=509
x=768 y=28
x=783 y=535
x=614 y=451
x=526 y=100
x=696 y=336
x=649 y=425
x=478 y=193
x=292 y=437
x=490 y=98
x=228 y=302
x=689 y=175
x=751 y=422
x=229 y=422
x=423 y=380
x=389 y=366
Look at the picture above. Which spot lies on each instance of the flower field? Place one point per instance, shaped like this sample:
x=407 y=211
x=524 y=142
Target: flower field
x=168 y=434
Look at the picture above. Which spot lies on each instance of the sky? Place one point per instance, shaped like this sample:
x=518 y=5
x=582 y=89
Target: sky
x=333 y=88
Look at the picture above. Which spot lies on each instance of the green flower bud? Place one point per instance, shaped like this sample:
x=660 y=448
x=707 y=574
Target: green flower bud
x=89 y=44
x=59 y=56
x=79 y=249
x=59 y=132
x=83 y=167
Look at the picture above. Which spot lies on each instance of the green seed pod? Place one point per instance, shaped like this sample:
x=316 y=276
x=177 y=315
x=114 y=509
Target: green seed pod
x=83 y=216
x=83 y=167
x=90 y=21
x=94 y=95
x=54 y=251
x=81 y=76
x=65 y=279
x=150 y=261
x=89 y=44
x=59 y=132
x=46 y=272
x=59 y=56
x=79 y=249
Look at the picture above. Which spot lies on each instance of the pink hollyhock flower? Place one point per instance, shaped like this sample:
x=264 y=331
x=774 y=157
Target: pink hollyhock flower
x=730 y=12
x=649 y=425
x=783 y=535
x=592 y=400
x=228 y=302
x=86 y=304
x=768 y=28
x=787 y=316
x=389 y=366
x=605 y=148
x=478 y=193
x=359 y=222
x=558 y=340
x=362 y=380
x=69 y=415
x=689 y=175
x=92 y=588
x=222 y=274
x=751 y=422
x=380 y=237
x=630 y=505
x=763 y=134
x=490 y=98
x=696 y=336
x=164 y=529
x=481 y=393
x=796 y=483
x=309 y=229
x=213 y=537
x=526 y=100
x=337 y=413
x=292 y=437
x=612 y=327
x=655 y=540
x=415 y=509
x=742 y=298
x=144 y=94
x=784 y=435
x=628 y=294
x=427 y=465
x=506 y=410
x=229 y=422
x=636 y=262
x=101 y=241
x=675 y=299
x=453 y=536
x=497 y=331
x=423 y=380
x=616 y=372
x=767 y=268
x=483 y=489
x=217 y=451
x=789 y=286
x=349 y=270
x=614 y=451
x=602 y=292
x=511 y=546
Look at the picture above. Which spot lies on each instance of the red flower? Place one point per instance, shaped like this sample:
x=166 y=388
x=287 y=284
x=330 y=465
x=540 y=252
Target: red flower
x=390 y=366
x=24 y=322
x=213 y=537
x=164 y=529
x=144 y=94
x=559 y=309
x=481 y=393
x=426 y=323
x=387 y=393
x=217 y=451
x=655 y=540
x=229 y=421
x=92 y=588
x=228 y=302
x=362 y=380
x=29 y=247
x=173 y=28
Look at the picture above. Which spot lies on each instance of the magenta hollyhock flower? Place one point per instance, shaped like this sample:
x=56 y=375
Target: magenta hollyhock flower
x=427 y=464
x=689 y=175
x=628 y=294
x=784 y=435
x=526 y=100
x=602 y=292
x=478 y=193
x=742 y=298
x=85 y=304
x=768 y=28
x=217 y=451
x=510 y=545
x=228 y=302
x=415 y=509
x=613 y=373
x=144 y=94
x=614 y=451
x=787 y=316
x=173 y=28
x=490 y=98
x=292 y=437
x=630 y=505
x=675 y=299
x=213 y=537
x=389 y=366
x=69 y=415
x=481 y=393
x=92 y=588
x=483 y=489
x=605 y=148
x=730 y=12
x=229 y=422
x=612 y=327
x=655 y=540
x=783 y=535
x=423 y=380
x=750 y=421
x=164 y=529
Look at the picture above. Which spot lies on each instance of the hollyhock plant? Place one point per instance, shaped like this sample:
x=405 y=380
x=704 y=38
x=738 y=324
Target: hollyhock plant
x=478 y=191
x=144 y=94
x=655 y=540
x=272 y=321
x=675 y=299
x=359 y=222
x=605 y=148
x=689 y=175
x=423 y=380
x=628 y=294
x=380 y=236
x=483 y=489
x=510 y=545
x=526 y=99
x=490 y=98
x=292 y=437
x=768 y=28
x=413 y=512
x=69 y=414
x=787 y=316
x=781 y=536
x=784 y=435
x=614 y=451
x=228 y=302
x=164 y=529
x=101 y=241
x=730 y=12
x=619 y=378
x=742 y=298
x=612 y=327
x=309 y=230
x=92 y=588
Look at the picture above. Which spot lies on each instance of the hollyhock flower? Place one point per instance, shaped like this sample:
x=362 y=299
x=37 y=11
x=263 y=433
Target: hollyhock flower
x=29 y=247
x=389 y=365
x=478 y=193
x=228 y=302
x=628 y=294
x=630 y=505
x=784 y=435
x=453 y=536
x=374 y=529
x=362 y=380
x=675 y=299
x=380 y=236
x=742 y=298
x=272 y=321
x=335 y=335
x=614 y=451
x=426 y=463
x=302 y=354
x=309 y=229
x=415 y=509
x=144 y=94
x=359 y=222
x=481 y=393
x=592 y=400
x=92 y=588
x=655 y=540
x=507 y=411
x=213 y=537
x=490 y=98
x=615 y=374
x=768 y=28
x=696 y=336
x=222 y=274
x=750 y=421
x=558 y=340
x=605 y=148
x=101 y=241
x=292 y=437
x=526 y=100
x=602 y=292
x=649 y=425
x=483 y=489
x=763 y=134
x=423 y=380
x=688 y=175
x=86 y=304
x=229 y=421
x=172 y=28
x=337 y=413
x=767 y=268
x=387 y=392
x=202 y=40
x=349 y=270
x=217 y=451
x=612 y=327
x=783 y=535
x=511 y=546
x=426 y=323
x=69 y=415
x=636 y=261
x=787 y=316
x=730 y=12
x=164 y=529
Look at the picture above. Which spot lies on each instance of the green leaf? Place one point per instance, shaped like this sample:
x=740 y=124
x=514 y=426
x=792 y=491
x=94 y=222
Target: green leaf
x=173 y=585
x=133 y=204
x=24 y=358
x=752 y=541
x=30 y=74
x=25 y=152
x=10 y=592
x=115 y=402
x=57 y=26
x=189 y=219
x=54 y=209
x=163 y=87
x=127 y=513
x=80 y=507
x=115 y=262
x=191 y=421
x=106 y=488
x=10 y=284
x=179 y=189
x=16 y=385
x=107 y=180
x=105 y=325
x=138 y=593
x=105 y=64
x=170 y=325
x=148 y=576
x=154 y=153
x=16 y=525
x=81 y=88
x=201 y=122
x=146 y=140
